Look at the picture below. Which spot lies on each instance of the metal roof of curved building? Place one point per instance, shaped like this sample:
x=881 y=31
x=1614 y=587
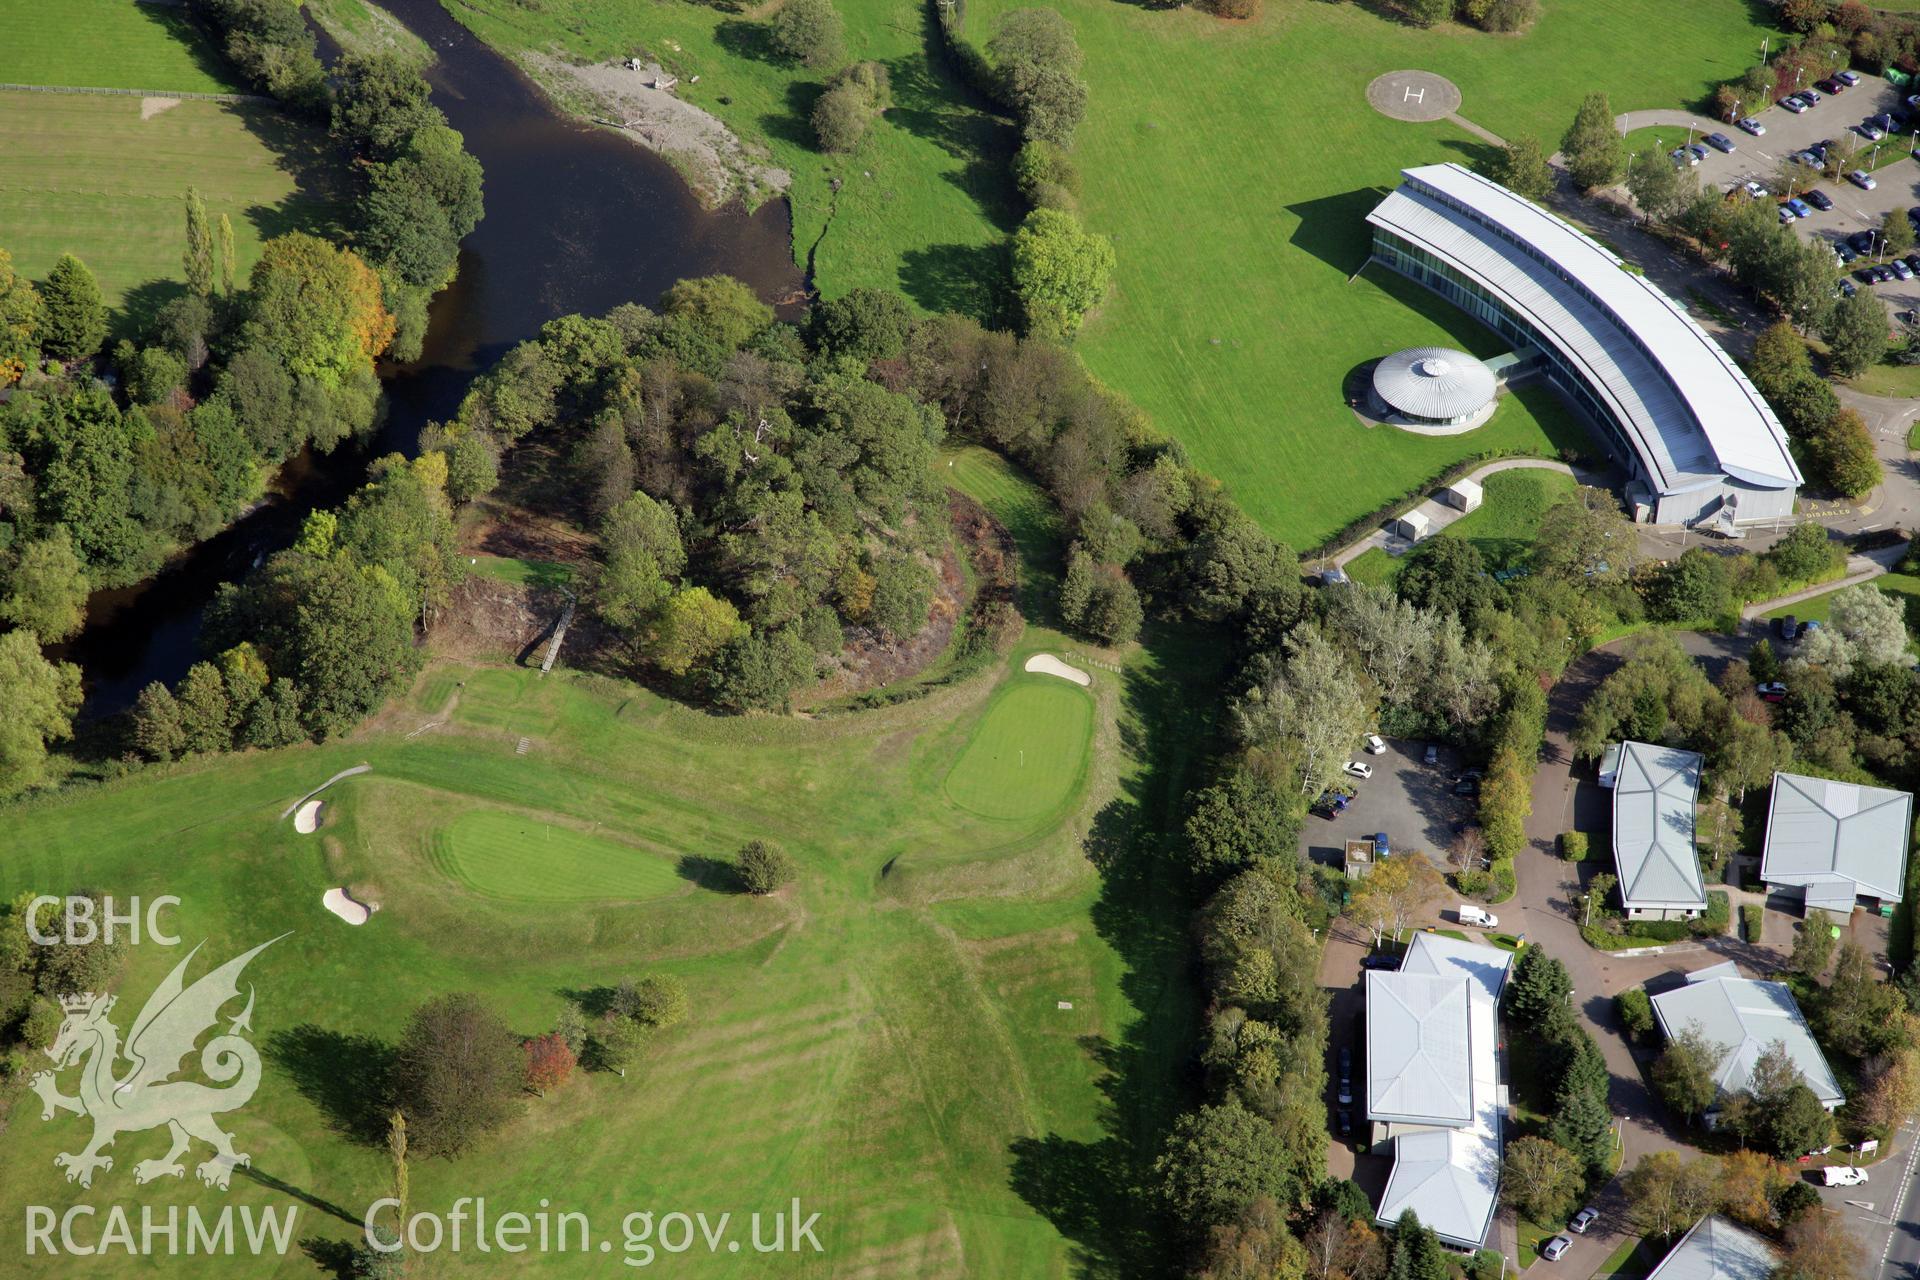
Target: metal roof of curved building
x=1438 y=383
x=1691 y=414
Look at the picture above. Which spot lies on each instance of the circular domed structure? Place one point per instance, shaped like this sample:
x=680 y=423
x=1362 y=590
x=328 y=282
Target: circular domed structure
x=1435 y=386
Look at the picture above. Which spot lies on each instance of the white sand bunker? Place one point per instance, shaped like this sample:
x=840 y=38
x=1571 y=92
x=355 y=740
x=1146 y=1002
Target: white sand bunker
x=151 y=107
x=337 y=901
x=1048 y=665
x=308 y=818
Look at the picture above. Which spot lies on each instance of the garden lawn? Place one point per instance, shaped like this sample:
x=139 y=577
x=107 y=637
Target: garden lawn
x=1503 y=528
x=89 y=176
x=108 y=44
x=924 y=204
x=943 y=1022
x=1233 y=165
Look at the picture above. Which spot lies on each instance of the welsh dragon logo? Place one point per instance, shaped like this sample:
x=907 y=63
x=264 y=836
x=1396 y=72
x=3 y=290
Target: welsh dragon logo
x=142 y=1096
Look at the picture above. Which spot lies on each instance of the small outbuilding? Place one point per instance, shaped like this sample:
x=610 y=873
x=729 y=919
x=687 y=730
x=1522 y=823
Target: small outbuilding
x=1463 y=494
x=1413 y=526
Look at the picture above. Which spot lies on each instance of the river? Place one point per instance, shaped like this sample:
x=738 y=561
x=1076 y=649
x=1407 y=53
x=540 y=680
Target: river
x=577 y=219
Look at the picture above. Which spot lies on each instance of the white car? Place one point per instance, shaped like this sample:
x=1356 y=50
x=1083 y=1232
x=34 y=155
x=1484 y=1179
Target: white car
x=1840 y=1175
x=1794 y=105
x=1755 y=190
x=1862 y=179
x=1556 y=1248
x=1357 y=770
x=1583 y=1219
x=1376 y=745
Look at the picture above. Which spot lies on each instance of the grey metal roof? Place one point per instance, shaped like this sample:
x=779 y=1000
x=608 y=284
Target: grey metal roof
x=1744 y=1016
x=1653 y=795
x=1838 y=839
x=1689 y=411
x=1449 y=1175
x=1434 y=382
x=1419 y=1048
x=1716 y=1249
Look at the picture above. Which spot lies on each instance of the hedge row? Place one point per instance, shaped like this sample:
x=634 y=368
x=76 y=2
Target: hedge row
x=1750 y=917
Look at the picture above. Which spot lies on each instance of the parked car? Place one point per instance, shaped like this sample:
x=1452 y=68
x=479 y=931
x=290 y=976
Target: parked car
x=1431 y=755
x=1748 y=125
x=1772 y=691
x=1820 y=200
x=1682 y=158
x=1799 y=207
x=1583 y=1219
x=1346 y=1076
x=1913 y=260
x=1901 y=271
x=1830 y=86
x=1847 y=288
x=1467 y=787
x=1847 y=77
x=1840 y=1175
x=1844 y=251
x=1480 y=916
x=1380 y=847
x=1343 y=1122
x=1810 y=96
x=1720 y=142
x=1793 y=104
x=1786 y=216
x=1789 y=627
x=1355 y=769
x=1376 y=745
x=1870 y=131
x=1861 y=242
x=1807 y=628
x=1883 y=275
x=1754 y=189
x=1699 y=151
x=1862 y=179
x=1556 y=1248
x=1379 y=960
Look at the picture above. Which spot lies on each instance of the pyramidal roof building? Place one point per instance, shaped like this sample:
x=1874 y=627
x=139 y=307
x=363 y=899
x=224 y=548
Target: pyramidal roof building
x=1653 y=798
x=1433 y=1083
x=1836 y=842
x=1745 y=1016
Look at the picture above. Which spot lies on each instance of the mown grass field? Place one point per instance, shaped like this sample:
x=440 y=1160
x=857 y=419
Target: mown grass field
x=1233 y=165
x=923 y=205
x=1503 y=528
x=1029 y=755
x=950 y=1037
x=108 y=44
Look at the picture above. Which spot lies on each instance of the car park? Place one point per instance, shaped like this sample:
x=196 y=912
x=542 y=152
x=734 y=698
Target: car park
x=1720 y=142
x=1820 y=200
x=1376 y=745
x=1556 y=1248
x=1748 y=125
x=1583 y=1219
x=1354 y=769
x=1861 y=179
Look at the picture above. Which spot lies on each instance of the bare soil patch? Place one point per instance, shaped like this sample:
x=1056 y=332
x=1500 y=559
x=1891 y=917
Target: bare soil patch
x=717 y=164
x=151 y=107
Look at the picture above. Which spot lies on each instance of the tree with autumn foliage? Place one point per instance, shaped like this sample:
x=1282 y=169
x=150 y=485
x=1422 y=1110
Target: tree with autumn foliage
x=316 y=308
x=550 y=1062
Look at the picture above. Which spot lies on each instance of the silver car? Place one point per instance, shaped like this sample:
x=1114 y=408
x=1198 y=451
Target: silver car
x=1556 y=1248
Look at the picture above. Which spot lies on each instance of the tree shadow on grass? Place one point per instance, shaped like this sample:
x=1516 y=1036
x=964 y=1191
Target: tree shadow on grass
x=1476 y=154
x=593 y=1002
x=709 y=873
x=795 y=124
x=334 y=1257
x=321 y=197
x=349 y=1078
x=140 y=307
x=1099 y=1194
x=968 y=278
x=307 y=1198
x=753 y=40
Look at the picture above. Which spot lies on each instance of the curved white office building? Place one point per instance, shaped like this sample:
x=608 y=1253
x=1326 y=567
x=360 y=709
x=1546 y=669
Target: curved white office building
x=1696 y=436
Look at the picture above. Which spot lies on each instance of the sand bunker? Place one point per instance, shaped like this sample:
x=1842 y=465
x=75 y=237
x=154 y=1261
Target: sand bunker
x=151 y=107
x=337 y=901
x=1048 y=665
x=308 y=818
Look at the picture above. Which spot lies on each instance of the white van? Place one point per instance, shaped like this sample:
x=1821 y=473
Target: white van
x=1470 y=914
x=1840 y=1175
x=1610 y=764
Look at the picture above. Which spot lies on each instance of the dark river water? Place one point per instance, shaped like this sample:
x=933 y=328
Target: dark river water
x=577 y=220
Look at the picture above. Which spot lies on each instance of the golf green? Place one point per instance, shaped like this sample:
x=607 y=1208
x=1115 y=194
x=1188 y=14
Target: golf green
x=519 y=857
x=1029 y=753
